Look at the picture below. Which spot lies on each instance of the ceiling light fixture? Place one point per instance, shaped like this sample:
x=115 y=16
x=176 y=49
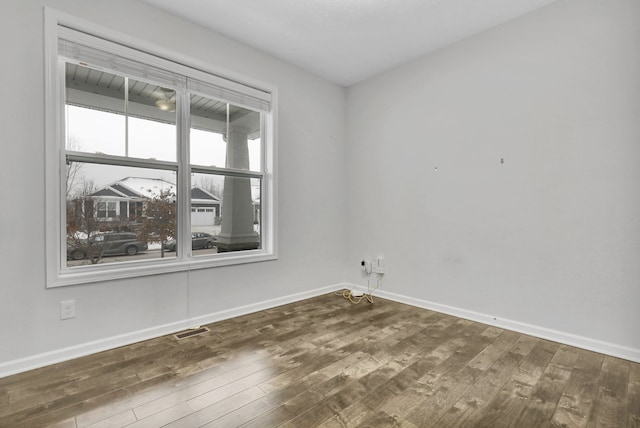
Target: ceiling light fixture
x=166 y=105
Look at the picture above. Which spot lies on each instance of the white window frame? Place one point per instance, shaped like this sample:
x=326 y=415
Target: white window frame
x=58 y=274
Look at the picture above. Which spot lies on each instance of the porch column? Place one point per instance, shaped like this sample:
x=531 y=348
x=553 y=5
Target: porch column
x=237 y=207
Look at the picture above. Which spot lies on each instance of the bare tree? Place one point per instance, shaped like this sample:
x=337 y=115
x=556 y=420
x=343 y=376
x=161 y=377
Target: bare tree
x=159 y=219
x=83 y=225
x=73 y=169
x=212 y=185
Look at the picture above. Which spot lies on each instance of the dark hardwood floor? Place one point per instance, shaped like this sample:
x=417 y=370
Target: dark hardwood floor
x=325 y=362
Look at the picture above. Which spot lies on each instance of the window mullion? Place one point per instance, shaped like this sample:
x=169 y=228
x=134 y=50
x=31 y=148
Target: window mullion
x=60 y=144
x=120 y=161
x=231 y=172
x=126 y=116
x=184 y=176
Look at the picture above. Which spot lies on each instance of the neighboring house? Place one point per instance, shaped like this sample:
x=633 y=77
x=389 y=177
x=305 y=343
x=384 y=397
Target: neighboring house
x=205 y=207
x=124 y=201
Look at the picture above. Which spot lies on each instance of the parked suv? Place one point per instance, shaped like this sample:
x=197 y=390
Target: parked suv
x=106 y=244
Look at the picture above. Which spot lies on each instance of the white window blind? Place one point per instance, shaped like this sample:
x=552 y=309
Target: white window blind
x=98 y=53
x=79 y=53
x=250 y=98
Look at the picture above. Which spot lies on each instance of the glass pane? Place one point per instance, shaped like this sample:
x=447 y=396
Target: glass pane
x=207 y=148
x=152 y=121
x=97 y=120
x=225 y=214
x=224 y=135
x=118 y=214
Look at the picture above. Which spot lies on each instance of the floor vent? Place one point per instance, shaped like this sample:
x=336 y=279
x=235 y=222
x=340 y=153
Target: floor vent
x=191 y=332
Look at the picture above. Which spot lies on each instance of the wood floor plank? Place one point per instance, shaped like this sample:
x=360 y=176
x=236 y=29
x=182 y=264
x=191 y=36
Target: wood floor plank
x=80 y=368
x=380 y=419
x=321 y=404
x=326 y=362
x=116 y=421
x=417 y=391
x=285 y=411
x=633 y=419
x=437 y=352
x=488 y=356
x=208 y=374
x=516 y=393
x=317 y=361
x=156 y=388
x=610 y=407
x=260 y=406
x=83 y=401
x=78 y=395
x=218 y=409
x=544 y=399
x=163 y=417
x=197 y=390
x=470 y=406
x=452 y=378
x=67 y=423
x=341 y=387
x=577 y=399
x=233 y=388
x=459 y=352
x=565 y=358
x=328 y=407
x=349 y=417
x=524 y=345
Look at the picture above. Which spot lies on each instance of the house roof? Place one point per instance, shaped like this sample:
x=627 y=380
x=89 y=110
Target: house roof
x=201 y=195
x=109 y=192
x=124 y=190
x=148 y=188
x=145 y=187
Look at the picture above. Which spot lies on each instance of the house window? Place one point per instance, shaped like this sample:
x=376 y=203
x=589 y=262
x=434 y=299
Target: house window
x=149 y=151
x=107 y=209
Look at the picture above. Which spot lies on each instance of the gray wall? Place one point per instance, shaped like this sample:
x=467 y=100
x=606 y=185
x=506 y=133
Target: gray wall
x=551 y=237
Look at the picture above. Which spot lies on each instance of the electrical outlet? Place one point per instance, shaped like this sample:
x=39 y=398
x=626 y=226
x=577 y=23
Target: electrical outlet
x=378 y=265
x=67 y=309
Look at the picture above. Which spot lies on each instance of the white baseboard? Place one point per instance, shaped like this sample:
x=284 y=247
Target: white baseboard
x=56 y=356
x=40 y=360
x=266 y=304
x=582 y=342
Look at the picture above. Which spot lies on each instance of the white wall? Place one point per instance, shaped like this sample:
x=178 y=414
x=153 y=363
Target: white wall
x=549 y=239
x=311 y=237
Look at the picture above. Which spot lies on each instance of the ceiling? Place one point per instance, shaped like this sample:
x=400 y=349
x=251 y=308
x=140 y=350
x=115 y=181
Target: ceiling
x=348 y=41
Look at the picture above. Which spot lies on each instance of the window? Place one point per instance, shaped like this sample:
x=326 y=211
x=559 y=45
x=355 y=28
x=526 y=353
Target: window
x=106 y=210
x=155 y=166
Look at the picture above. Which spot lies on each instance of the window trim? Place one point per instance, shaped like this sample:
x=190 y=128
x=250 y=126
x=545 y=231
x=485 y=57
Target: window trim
x=58 y=25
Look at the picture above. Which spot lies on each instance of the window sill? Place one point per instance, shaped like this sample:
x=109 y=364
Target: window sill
x=93 y=274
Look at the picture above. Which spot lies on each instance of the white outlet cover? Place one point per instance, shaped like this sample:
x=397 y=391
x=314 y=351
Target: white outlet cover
x=67 y=309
